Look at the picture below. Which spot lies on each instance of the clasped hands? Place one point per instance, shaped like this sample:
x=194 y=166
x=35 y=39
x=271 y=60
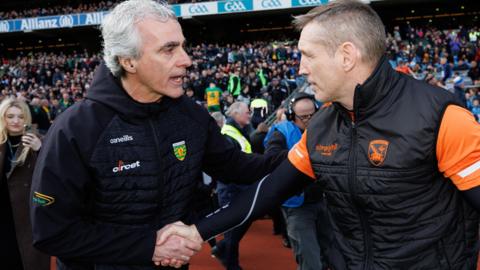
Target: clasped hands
x=175 y=244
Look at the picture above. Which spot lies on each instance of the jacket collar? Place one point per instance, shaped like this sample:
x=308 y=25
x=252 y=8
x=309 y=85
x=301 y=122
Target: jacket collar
x=373 y=90
x=109 y=91
x=244 y=132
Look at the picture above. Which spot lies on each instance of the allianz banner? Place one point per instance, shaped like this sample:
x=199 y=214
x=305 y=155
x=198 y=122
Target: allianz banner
x=30 y=24
x=181 y=10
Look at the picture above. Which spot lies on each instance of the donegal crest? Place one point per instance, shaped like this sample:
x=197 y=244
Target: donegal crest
x=180 y=150
x=377 y=151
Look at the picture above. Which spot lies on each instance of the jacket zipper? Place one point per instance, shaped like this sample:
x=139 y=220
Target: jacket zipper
x=352 y=172
x=161 y=175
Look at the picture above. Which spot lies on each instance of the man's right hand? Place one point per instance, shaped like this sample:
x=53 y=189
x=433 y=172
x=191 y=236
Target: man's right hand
x=173 y=247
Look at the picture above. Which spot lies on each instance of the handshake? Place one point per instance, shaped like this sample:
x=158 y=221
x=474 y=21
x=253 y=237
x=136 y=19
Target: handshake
x=175 y=244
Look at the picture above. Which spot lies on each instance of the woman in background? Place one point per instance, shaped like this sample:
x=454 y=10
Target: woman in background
x=18 y=153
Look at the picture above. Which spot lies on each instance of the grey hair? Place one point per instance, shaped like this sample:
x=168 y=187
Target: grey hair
x=119 y=30
x=219 y=117
x=235 y=108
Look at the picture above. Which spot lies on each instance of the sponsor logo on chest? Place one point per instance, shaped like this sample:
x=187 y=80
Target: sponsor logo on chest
x=124 y=138
x=125 y=167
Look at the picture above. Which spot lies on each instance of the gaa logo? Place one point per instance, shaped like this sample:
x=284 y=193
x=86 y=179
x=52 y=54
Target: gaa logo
x=309 y=2
x=198 y=9
x=66 y=21
x=232 y=6
x=4 y=26
x=271 y=3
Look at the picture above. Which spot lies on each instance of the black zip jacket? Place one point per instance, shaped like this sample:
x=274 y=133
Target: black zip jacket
x=391 y=207
x=114 y=171
x=393 y=210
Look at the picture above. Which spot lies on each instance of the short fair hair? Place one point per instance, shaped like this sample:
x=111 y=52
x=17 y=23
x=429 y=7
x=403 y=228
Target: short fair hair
x=236 y=108
x=120 y=33
x=348 y=21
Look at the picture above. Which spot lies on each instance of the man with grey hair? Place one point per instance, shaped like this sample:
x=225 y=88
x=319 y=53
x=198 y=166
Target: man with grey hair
x=401 y=184
x=121 y=164
x=236 y=131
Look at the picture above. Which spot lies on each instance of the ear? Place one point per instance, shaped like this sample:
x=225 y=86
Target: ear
x=350 y=56
x=128 y=64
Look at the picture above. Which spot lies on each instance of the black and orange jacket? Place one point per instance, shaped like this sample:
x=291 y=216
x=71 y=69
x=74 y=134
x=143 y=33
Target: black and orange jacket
x=113 y=171
x=385 y=175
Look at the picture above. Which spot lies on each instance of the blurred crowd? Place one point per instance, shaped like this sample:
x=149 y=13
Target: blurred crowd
x=223 y=74
x=447 y=58
x=58 y=10
x=82 y=7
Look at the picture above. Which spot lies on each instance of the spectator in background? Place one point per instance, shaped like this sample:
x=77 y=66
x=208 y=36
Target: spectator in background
x=404 y=68
x=227 y=101
x=459 y=90
x=476 y=108
x=227 y=250
x=212 y=96
x=259 y=108
x=277 y=91
x=235 y=83
x=18 y=153
x=65 y=102
x=474 y=72
x=245 y=95
x=430 y=79
x=306 y=216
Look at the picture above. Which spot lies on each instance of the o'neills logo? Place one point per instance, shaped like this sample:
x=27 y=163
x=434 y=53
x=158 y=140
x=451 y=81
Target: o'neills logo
x=123 y=167
x=124 y=138
x=326 y=150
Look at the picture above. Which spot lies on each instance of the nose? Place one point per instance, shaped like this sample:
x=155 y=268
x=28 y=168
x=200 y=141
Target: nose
x=185 y=60
x=303 y=69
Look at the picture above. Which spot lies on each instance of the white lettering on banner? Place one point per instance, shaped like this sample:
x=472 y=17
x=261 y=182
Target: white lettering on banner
x=234 y=6
x=94 y=18
x=198 y=9
x=66 y=21
x=35 y=23
x=309 y=2
x=4 y=26
x=271 y=3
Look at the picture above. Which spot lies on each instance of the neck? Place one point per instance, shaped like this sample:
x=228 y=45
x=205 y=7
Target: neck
x=137 y=91
x=14 y=140
x=14 y=134
x=357 y=76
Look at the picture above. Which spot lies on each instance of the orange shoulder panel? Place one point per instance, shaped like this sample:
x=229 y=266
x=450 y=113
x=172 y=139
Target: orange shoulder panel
x=458 y=147
x=299 y=157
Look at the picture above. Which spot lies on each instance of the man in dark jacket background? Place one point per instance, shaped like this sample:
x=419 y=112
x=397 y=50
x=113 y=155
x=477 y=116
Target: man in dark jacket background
x=119 y=165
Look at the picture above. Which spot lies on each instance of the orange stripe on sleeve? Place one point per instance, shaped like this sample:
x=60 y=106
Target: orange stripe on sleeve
x=458 y=148
x=299 y=157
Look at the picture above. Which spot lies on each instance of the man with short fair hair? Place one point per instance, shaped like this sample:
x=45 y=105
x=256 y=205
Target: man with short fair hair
x=122 y=163
x=401 y=183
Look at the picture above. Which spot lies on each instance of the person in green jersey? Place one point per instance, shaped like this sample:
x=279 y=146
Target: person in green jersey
x=212 y=96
